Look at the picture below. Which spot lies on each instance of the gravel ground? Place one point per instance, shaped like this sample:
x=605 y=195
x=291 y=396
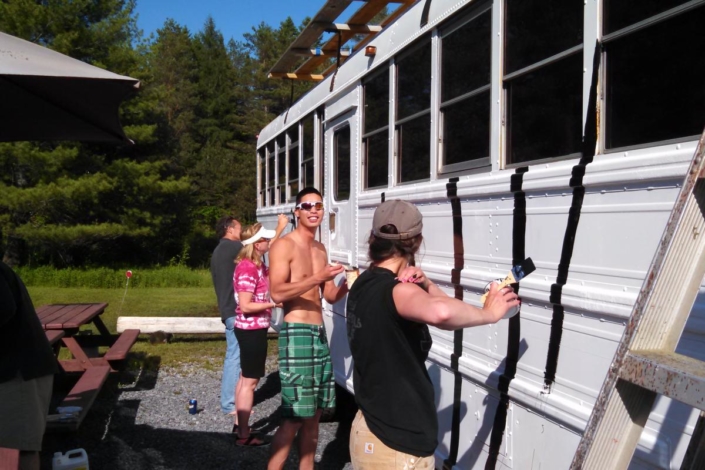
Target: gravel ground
x=140 y=421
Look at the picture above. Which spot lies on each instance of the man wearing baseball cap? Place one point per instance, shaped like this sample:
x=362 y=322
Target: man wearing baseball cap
x=388 y=312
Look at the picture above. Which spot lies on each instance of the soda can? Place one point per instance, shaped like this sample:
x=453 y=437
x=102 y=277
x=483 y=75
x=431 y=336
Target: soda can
x=192 y=406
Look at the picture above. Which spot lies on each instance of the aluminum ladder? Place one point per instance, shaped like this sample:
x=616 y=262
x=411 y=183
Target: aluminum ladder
x=645 y=364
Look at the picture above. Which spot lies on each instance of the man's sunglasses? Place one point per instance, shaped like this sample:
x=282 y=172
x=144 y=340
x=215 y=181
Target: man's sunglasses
x=307 y=206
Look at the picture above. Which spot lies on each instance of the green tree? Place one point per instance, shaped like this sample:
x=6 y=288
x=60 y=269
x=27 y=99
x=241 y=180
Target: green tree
x=70 y=203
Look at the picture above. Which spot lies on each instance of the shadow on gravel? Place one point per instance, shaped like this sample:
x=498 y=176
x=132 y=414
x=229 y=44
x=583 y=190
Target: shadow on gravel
x=114 y=442
x=337 y=452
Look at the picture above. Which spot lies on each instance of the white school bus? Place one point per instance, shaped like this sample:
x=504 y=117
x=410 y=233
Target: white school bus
x=559 y=130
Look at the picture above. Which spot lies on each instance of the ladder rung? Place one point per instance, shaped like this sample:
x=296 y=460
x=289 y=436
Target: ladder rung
x=673 y=375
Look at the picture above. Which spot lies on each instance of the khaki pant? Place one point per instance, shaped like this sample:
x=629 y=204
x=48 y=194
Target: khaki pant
x=369 y=453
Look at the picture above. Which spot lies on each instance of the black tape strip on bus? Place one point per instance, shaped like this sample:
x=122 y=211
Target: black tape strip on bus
x=576 y=206
x=514 y=332
x=458 y=256
x=425 y=12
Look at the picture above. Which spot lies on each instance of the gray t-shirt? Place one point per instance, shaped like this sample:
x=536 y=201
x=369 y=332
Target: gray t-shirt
x=222 y=269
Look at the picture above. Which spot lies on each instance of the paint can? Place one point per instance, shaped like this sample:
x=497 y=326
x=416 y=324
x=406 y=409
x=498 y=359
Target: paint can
x=512 y=311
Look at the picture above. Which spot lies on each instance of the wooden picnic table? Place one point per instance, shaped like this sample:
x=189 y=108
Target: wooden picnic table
x=69 y=318
x=62 y=322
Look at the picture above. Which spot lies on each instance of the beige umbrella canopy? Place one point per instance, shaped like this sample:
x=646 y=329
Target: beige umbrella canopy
x=45 y=95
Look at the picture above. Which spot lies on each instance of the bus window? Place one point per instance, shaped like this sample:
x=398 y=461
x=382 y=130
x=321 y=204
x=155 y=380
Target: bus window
x=654 y=71
x=341 y=167
x=293 y=166
x=543 y=81
x=281 y=169
x=262 y=168
x=271 y=200
x=307 y=154
x=465 y=94
x=375 y=136
x=413 y=114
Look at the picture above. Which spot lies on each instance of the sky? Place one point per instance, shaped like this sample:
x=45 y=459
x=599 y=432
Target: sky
x=232 y=17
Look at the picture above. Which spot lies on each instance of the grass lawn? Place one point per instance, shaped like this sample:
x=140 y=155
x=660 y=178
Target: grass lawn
x=207 y=350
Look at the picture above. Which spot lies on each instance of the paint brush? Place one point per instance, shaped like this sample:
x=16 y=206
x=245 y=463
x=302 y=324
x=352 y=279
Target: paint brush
x=516 y=274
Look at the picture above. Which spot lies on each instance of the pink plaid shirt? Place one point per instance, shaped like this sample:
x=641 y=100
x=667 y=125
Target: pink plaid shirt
x=250 y=278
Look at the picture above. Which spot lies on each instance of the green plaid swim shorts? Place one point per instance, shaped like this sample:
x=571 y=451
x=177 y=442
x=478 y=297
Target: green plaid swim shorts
x=305 y=370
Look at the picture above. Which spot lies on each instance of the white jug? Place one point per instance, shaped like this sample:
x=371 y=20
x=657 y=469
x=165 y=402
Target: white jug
x=76 y=459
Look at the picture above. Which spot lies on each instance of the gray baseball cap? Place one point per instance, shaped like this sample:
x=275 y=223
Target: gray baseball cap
x=403 y=215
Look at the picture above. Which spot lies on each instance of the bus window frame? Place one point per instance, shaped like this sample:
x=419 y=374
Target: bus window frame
x=443 y=170
x=425 y=40
x=384 y=71
x=336 y=165
x=293 y=147
x=603 y=98
x=506 y=81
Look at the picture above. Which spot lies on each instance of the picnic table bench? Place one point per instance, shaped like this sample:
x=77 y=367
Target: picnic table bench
x=68 y=318
x=61 y=323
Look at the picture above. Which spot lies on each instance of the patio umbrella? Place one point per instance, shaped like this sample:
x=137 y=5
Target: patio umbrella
x=45 y=95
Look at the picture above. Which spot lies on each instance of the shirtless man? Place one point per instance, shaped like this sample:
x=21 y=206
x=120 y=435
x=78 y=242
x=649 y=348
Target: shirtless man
x=299 y=274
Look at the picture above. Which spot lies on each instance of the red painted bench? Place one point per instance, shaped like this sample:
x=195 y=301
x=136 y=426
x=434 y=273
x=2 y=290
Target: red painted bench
x=54 y=335
x=118 y=351
x=82 y=394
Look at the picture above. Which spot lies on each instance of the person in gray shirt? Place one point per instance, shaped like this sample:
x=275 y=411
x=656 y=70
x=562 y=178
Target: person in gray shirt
x=222 y=269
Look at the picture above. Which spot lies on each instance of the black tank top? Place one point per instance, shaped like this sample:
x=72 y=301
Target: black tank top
x=392 y=386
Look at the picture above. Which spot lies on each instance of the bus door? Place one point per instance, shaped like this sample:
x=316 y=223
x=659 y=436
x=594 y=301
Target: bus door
x=339 y=232
x=341 y=150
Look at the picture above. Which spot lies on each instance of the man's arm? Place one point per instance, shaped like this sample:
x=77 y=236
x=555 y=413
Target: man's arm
x=282 y=222
x=333 y=293
x=280 y=287
x=448 y=313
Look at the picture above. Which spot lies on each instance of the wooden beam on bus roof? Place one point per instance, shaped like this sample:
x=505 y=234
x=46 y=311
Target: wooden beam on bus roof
x=296 y=76
x=351 y=28
x=366 y=40
x=310 y=34
x=319 y=52
x=361 y=16
x=324 y=22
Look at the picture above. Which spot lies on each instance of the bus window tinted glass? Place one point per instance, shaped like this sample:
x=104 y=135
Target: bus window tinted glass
x=466 y=57
x=466 y=130
x=341 y=142
x=377 y=102
x=375 y=167
x=465 y=96
x=656 y=73
x=270 y=173
x=538 y=29
x=376 y=125
x=414 y=157
x=307 y=151
x=293 y=162
x=544 y=111
x=414 y=81
x=262 y=177
x=308 y=173
x=618 y=14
